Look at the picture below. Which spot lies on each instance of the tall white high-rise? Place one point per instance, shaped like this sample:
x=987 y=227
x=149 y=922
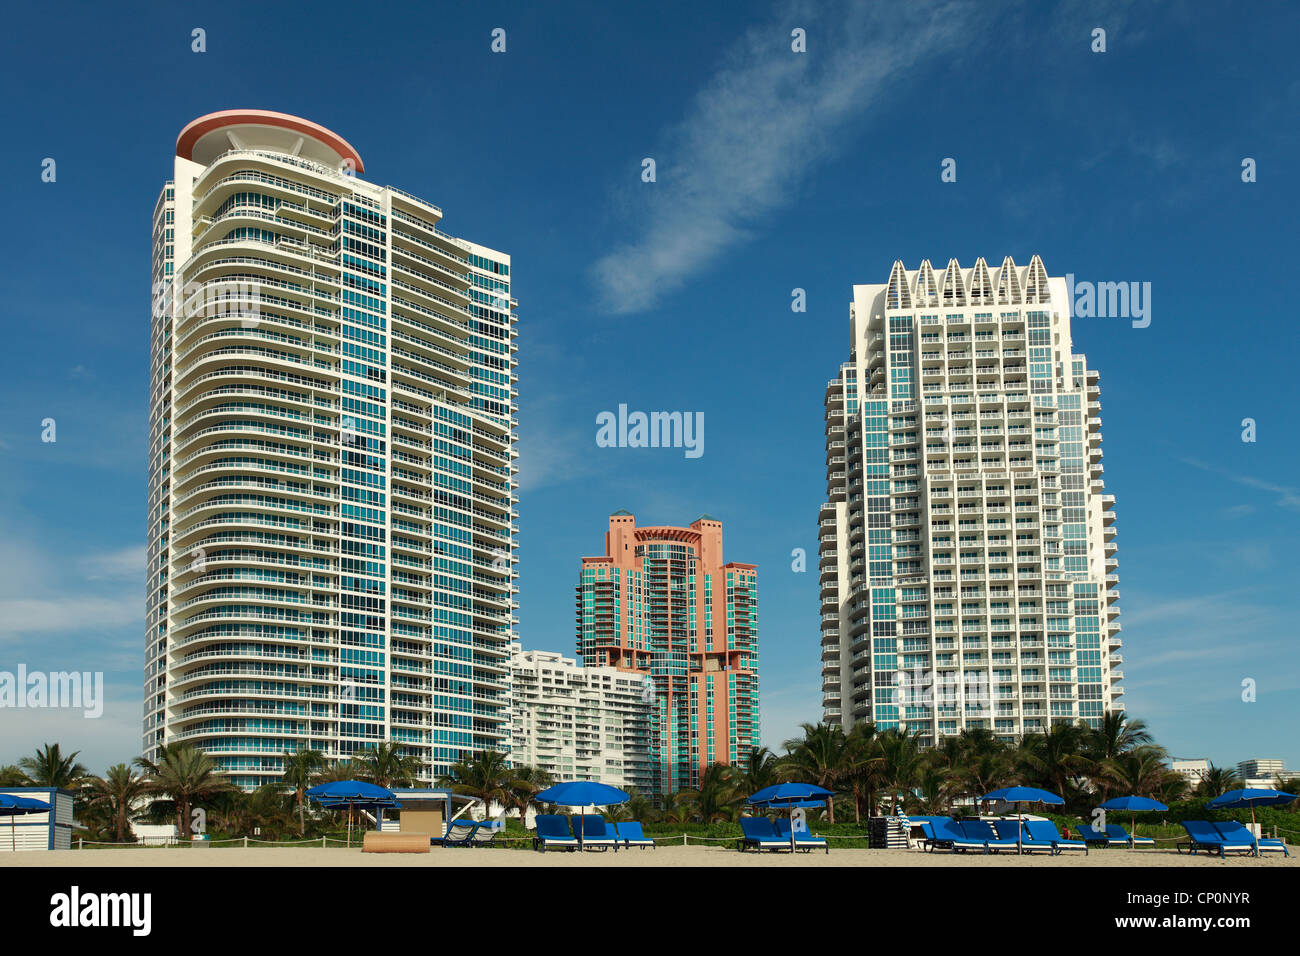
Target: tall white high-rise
x=967 y=552
x=331 y=475
x=581 y=723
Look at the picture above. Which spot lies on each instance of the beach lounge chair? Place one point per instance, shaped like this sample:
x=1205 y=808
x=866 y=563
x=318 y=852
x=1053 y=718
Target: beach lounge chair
x=484 y=834
x=760 y=833
x=596 y=833
x=460 y=833
x=984 y=830
x=947 y=835
x=1043 y=833
x=1094 y=837
x=553 y=833
x=1203 y=836
x=803 y=840
x=629 y=834
x=1120 y=837
x=919 y=831
x=1234 y=831
x=1009 y=830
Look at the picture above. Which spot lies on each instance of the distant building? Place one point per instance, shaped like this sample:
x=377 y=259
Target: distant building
x=661 y=602
x=580 y=723
x=1261 y=771
x=1194 y=770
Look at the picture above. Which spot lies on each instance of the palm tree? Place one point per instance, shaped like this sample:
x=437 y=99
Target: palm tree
x=1141 y=772
x=524 y=784
x=820 y=758
x=717 y=796
x=270 y=811
x=1052 y=758
x=1287 y=785
x=117 y=793
x=486 y=776
x=639 y=807
x=982 y=773
x=11 y=775
x=1216 y=781
x=863 y=768
x=300 y=770
x=1115 y=737
x=387 y=765
x=184 y=774
x=49 y=768
x=934 y=784
x=679 y=807
x=759 y=769
x=900 y=764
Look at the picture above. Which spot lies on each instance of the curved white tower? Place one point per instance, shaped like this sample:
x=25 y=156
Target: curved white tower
x=331 y=477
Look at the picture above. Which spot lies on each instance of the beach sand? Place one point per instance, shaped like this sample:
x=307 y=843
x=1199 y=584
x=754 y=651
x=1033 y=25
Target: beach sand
x=666 y=856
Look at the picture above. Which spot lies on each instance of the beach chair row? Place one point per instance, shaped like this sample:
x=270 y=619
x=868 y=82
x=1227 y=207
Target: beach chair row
x=762 y=833
x=468 y=833
x=1225 y=838
x=993 y=836
x=589 y=832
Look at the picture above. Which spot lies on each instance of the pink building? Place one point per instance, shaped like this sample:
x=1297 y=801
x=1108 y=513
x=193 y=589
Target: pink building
x=662 y=603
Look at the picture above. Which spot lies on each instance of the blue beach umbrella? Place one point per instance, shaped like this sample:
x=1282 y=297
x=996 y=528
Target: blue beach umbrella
x=16 y=807
x=1132 y=804
x=1019 y=795
x=353 y=794
x=583 y=793
x=788 y=796
x=1251 y=797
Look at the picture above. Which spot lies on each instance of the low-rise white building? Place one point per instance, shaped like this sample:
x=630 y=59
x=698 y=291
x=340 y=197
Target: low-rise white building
x=1260 y=772
x=580 y=723
x=1194 y=770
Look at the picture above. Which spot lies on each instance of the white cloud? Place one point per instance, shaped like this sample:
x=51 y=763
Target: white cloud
x=764 y=120
x=46 y=593
x=122 y=564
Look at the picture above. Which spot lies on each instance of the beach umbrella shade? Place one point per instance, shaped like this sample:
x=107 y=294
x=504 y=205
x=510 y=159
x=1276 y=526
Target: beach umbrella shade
x=1132 y=804
x=1251 y=797
x=583 y=793
x=1019 y=795
x=11 y=807
x=353 y=794
x=788 y=796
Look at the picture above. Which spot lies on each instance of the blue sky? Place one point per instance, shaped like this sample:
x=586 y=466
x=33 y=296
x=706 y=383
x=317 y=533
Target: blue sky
x=775 y=171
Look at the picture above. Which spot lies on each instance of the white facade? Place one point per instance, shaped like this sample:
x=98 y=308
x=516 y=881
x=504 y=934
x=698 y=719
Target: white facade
x=1261 y=768
x=581 y=723
x=968 y=570
x=331 y=478
x=1193 y=770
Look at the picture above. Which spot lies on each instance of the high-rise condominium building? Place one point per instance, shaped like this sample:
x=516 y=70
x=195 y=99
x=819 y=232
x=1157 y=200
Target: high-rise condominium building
x=967 y=549
x=661 y=602
x=331 y=476
x=580 y=723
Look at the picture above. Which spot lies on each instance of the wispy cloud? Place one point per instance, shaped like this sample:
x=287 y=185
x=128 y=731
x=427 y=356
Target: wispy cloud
x=123 y=564
x=762 y=122
x=42 y=593
x=1288 y=497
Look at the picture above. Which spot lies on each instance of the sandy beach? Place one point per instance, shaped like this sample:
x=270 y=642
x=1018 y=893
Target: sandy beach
x=666 y=856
